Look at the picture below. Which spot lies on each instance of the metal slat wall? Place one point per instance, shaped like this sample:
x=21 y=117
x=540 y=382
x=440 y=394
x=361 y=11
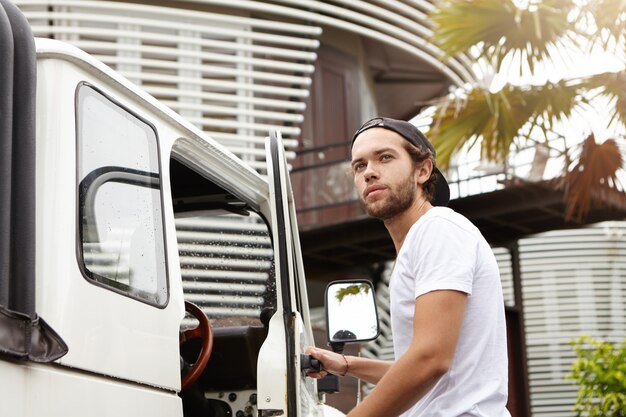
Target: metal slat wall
x=503 y=257
x=235 y=77
x=573 y=283
x=382 y=347
x=226 y=271
x=403 y=24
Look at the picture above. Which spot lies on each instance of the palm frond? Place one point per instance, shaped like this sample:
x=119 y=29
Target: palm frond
x=592 y=179
x=462 y=24
x=553 y=102
x=495 y=120
x=500 y=29
x=612 y=85
x=607 y=18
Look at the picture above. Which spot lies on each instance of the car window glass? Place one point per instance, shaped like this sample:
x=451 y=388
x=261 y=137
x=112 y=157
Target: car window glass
x=122 y=244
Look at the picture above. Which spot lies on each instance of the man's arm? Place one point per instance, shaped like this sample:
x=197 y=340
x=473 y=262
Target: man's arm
x=437 y=323
x=369 y=370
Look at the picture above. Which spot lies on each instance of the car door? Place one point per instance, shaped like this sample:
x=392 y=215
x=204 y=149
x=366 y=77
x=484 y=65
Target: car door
x=301 y=391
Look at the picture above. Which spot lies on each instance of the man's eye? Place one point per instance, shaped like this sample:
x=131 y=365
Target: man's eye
x=385 y=157
x=359 y=166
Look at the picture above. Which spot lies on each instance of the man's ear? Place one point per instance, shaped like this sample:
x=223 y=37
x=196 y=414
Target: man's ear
x=424 y=170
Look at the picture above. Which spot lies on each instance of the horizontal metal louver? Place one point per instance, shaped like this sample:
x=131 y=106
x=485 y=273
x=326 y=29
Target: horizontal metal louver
x=226 y=264
x=573 y=283
x=404 y=25
x=382 y=347
x=503 y=257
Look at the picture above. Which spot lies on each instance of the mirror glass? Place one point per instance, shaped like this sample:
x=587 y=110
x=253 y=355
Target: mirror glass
x=351 y=312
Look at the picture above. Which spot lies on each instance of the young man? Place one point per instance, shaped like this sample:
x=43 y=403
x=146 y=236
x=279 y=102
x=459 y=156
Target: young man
x=447 y=310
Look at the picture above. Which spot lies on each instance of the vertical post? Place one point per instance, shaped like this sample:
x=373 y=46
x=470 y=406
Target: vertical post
x=521 y=360
x=6 y=152
x=22 y=255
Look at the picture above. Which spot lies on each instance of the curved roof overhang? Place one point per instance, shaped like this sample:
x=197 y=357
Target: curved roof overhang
x=402 y=26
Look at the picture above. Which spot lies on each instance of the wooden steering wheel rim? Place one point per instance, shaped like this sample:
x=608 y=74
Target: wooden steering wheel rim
x=204 y=331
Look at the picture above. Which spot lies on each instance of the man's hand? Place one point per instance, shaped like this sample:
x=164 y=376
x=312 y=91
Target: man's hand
x=369 y=370
x=332 y=362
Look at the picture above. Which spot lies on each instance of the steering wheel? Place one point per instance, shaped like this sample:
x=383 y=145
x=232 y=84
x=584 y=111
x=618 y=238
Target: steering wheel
x=204 y=331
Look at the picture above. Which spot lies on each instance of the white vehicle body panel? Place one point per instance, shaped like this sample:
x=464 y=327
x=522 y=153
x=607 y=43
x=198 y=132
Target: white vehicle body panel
x=44 y=390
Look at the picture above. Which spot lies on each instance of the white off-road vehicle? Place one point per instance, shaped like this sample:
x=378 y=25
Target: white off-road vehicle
x=116 y=216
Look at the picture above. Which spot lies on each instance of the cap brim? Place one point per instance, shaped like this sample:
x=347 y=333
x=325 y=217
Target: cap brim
x=442 y=190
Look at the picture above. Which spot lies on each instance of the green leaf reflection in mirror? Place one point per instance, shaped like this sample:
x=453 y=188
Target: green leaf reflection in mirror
x=356 y=289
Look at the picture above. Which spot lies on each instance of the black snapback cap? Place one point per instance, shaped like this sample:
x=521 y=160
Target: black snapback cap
x=412 y=134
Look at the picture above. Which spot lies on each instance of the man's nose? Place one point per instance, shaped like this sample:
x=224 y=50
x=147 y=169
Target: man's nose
x=370 y=172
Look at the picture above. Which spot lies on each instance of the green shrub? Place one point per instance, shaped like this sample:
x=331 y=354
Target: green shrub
x=600 y=372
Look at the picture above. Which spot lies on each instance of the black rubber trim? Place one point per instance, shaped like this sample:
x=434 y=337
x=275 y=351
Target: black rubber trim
x=31 y=339
x=283 y=266
x=87 y=230
x=23 y=334
x=22 y=194
x=6 y=150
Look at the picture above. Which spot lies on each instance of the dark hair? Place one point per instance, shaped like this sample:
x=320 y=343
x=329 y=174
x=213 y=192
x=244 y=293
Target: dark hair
x=419 y=155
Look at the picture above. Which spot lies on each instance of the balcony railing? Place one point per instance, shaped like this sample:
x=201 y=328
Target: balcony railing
x=325 y=192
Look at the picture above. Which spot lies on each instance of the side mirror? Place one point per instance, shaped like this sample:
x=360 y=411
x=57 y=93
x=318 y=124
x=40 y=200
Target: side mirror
x=351 y=314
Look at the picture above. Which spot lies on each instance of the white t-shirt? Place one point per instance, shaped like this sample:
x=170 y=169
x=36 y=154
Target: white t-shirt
x=445 y=251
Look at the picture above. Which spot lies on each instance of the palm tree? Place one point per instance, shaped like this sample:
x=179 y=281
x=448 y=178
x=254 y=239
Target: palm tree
x=531 y=34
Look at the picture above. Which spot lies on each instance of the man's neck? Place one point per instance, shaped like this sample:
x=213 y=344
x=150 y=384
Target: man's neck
x=399 y=226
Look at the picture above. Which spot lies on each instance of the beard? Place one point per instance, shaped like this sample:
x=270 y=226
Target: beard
x=398 y=201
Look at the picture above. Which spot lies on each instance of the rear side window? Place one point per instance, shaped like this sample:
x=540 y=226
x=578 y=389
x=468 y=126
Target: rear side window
x=120 y=216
